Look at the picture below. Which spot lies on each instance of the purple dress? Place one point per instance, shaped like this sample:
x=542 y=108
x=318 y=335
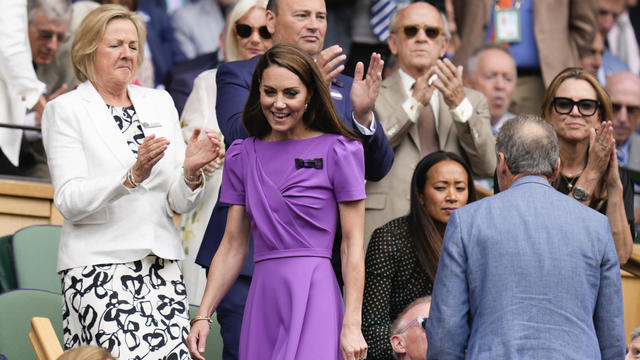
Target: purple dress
x=295 y=308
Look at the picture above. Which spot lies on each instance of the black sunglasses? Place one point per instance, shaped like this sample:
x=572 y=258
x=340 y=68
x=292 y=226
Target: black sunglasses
x=411 y=31
x=586 y=107
x=244 y=31
x=631 y=110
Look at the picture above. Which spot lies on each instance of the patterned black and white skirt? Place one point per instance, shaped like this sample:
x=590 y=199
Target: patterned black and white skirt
x=136 y=310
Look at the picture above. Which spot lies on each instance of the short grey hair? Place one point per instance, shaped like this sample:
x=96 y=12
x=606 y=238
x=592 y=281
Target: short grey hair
x=529 y=145
x=472 y=62
x=635 y=333
x=394 y=19
x=396 y=324
x=56 y=10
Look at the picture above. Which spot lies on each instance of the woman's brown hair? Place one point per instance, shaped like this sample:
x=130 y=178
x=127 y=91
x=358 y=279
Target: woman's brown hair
x=320 y=114
x=605 y=113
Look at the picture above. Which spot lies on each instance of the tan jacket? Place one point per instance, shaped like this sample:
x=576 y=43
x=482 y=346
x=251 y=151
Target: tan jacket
x=388 y=198
x=564 y=31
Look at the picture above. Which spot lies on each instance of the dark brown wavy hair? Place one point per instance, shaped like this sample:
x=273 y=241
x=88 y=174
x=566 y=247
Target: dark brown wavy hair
x=320 y=114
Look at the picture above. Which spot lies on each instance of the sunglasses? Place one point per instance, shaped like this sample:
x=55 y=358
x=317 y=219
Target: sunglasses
x=586 y=107
x=48 y=35
x=244 y=31
x=420 y=320
x=631 y=110
x=411 y=31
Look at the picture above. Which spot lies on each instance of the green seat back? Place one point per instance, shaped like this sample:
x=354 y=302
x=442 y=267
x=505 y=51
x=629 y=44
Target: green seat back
x=35 y=255
x=213 y=350
x=17 y=307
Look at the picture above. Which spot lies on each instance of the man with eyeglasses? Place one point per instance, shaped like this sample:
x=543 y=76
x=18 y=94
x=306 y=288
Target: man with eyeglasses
x=408 y=339
x=623 y=89
x=48 y=21
x=423 y=108
x=304 y=24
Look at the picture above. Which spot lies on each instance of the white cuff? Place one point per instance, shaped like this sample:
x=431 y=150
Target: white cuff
x=462 y=113
x=364 y=130
x=413 y=108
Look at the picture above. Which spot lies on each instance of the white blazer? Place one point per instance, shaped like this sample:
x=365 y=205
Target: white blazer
x=105 y=222
x=19 y=86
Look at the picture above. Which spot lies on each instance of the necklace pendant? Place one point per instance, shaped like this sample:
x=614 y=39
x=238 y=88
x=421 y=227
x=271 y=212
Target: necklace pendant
x=570 y=187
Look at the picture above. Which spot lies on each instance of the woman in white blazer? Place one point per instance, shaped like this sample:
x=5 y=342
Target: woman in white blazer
x=120 y=171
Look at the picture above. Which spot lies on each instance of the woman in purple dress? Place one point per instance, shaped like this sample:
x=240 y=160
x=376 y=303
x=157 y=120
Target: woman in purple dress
x=298 y=174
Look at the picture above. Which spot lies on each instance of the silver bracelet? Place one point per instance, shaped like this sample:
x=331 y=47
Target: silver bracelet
x=194 y=182
x=132 y=178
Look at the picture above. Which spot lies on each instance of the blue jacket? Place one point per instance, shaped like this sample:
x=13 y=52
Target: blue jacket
x=529 y=273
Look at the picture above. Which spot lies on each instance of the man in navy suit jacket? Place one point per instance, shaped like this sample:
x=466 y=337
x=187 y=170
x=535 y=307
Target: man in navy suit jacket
x=528 y=273
x=302 y=23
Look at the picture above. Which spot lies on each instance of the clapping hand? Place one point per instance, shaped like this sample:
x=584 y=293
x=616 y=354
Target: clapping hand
x=601 y=145
x=201 y=151
x=449 y=82
x=329 y=62
x=364 y=91
x=149 y=153
x=422 y=90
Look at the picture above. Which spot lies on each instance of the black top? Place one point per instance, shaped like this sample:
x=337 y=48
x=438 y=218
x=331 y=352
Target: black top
x=394 y=278
x=562 y=185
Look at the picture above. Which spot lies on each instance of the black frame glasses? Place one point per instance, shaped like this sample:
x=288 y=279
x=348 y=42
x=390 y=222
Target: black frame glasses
x=245 y=31
x=48 y=35
x=586 y=107
x=421 y=320
x=410 y=31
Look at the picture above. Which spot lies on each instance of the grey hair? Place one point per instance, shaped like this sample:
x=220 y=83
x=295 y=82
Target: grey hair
x=635 y=333
x=472 y=62
x=56 y=10
x=394 y=19
x=529 y=145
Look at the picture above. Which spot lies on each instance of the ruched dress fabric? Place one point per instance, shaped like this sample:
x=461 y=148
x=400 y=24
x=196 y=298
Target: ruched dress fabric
x=295 y=307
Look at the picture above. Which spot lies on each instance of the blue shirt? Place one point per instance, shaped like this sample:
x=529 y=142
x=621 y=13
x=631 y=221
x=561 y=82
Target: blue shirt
x=525 y=52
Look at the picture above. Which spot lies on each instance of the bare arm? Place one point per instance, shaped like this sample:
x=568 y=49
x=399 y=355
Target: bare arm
x=223 y=272
x=352 y=342
x=603 y=162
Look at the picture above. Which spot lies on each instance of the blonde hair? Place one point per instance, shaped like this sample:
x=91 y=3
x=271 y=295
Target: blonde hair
x=240 y=9
x=91 y=32
x=86 y=352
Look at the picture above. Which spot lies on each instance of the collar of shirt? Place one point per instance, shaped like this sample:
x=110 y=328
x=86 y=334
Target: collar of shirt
x=407 y=84
x=623 y=152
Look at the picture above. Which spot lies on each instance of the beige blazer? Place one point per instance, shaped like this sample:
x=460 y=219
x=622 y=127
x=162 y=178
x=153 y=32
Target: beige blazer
x=388 y=198
x=564 y=31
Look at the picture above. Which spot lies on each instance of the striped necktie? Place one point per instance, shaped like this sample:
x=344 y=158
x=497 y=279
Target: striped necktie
x=381 y=11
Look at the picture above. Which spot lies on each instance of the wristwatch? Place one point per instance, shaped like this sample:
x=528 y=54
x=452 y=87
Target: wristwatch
x=580 y=194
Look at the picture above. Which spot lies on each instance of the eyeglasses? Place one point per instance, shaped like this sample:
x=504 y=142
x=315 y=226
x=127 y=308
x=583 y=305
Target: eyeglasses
x=48 y=35
x=421 y=320
x=586 y=107
x=631 y=110
x=411 y=31
x=244 y=31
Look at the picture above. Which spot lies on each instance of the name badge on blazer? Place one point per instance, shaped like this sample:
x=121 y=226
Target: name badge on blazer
x=149 y=125
x=335 y=94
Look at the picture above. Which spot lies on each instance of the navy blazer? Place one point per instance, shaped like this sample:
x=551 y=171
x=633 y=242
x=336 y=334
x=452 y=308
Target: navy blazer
x=529 y=273
x=233 y=81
